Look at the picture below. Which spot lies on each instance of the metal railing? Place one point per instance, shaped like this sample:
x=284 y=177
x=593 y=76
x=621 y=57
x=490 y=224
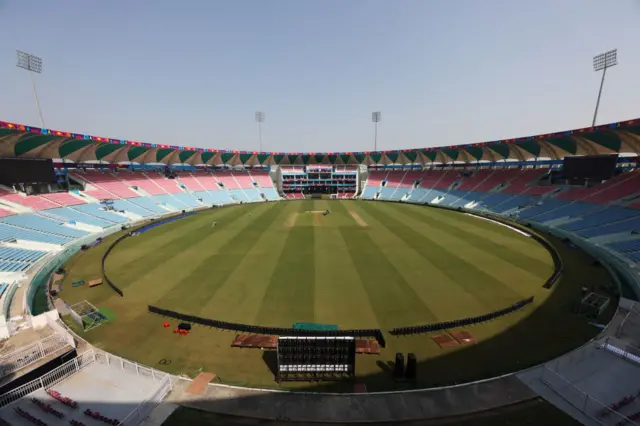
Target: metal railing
x=596 y=410
x=32 y=353
x=148 y=405
x=50 y=379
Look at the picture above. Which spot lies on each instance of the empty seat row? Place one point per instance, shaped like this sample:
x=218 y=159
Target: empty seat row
x=18 y=254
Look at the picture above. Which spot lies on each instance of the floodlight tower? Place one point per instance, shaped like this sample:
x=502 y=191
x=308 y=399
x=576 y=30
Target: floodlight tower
x=600 y=63
x=33 y=64
x=376 y=117
x=260 y=120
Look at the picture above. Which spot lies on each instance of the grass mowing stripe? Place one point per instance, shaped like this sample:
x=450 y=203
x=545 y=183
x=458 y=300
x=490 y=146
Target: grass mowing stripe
x=444 y=297
x=482 y=285
x=508 y=254
x=394 y=302
x=125 y=274
x=485 y=229
x=192 y=292
x=292 y=282
x=240 y=296
x=340 y=297
x=132 y=250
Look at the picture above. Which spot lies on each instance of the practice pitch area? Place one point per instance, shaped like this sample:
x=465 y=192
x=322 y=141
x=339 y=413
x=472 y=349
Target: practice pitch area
x=362 y=265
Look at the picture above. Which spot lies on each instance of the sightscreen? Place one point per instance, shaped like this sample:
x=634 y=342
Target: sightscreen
x=597 y=167
x=26 y=170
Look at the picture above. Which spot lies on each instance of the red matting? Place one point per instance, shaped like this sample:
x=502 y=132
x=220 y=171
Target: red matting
x=363 y=346
x=444 y=340
x=463 y=337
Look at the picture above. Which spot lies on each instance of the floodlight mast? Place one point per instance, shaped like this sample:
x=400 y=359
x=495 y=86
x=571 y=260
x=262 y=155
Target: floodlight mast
x=33 y=64
x=376 y=117
x=600 y=63
x=260 y=120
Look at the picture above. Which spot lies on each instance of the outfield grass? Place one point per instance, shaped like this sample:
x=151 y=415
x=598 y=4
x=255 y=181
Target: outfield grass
x=366 y=265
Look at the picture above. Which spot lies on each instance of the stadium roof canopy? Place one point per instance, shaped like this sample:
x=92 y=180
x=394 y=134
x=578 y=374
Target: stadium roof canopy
x=18 y=140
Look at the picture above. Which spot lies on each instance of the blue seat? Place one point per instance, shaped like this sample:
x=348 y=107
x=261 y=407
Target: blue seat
x=625 y=246
x=11 y=233
x=131 y=207
x=608 y=215
x=568 y=210
x=97 y=211
x=43 y=224
x=18 y=254
x=369 y=192
x=624 y=226
x=71 y=214
x=270 y=193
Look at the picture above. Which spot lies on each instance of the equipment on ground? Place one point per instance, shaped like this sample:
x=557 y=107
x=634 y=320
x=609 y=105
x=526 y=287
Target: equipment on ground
x=315 y=358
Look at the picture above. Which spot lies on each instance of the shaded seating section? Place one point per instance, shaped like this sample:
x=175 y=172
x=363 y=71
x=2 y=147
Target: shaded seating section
x=581 y=193
x=394 y=179
x=70 y=214
x=629 y=246
x=567 y=211
x=628 y=186
x=417 y=195
x=376 y=178
x=521 y=179
x=542 y=206
x=622 y=227
x=496 y=178
x=108 y=183
x=43 y=224
x=448 y=178
x=96 y=210
x=63 y=198
x=605 y=216
x=474 y=180
x=144 y=182
x=515 y=202
x=12 y=233
x=454 y=196
x=34 y=202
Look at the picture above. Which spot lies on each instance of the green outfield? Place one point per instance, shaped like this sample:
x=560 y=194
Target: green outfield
x=365 y=265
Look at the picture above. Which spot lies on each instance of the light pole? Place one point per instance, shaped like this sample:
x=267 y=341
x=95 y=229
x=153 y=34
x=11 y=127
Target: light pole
x=32 y=64
x=376 y=117
x=260 y=120
x=600 y=63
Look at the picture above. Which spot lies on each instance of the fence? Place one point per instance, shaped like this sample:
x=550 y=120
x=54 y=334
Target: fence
x=6 y=307
x=146 y=407
x=590 y=406
x=130 y=366
x=50 y=379
x=34 y=352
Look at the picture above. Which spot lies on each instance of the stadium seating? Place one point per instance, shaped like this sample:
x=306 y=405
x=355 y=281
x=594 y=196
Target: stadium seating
x=604 y=216
x=30 y=201
x=148 y=203
x=63 y=198
x=20 y=255
x=143 y=182
x=107 y=182
x=73 y=215
x=43 y=224
x=4 y=212
x=227 y=179
x=167 y=186
x=12 y=233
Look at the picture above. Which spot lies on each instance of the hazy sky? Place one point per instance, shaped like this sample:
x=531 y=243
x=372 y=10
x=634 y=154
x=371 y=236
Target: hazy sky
x=442 y=72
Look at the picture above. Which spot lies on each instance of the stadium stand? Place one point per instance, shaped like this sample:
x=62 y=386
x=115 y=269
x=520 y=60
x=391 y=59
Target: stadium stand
x=30 y=201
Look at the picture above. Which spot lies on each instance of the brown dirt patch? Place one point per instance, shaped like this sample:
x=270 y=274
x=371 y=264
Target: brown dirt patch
x=444 y=340
x=463 y=337
x=200 y=383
